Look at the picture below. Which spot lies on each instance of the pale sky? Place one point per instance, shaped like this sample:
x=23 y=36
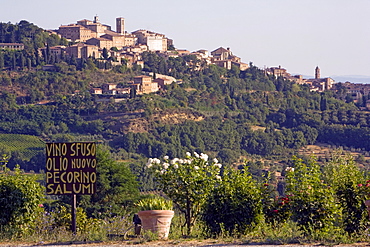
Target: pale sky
x=296 y=34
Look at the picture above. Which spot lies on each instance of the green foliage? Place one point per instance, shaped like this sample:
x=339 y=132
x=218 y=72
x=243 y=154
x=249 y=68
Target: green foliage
x=313 y=203
x=20 y=198
x=62 y=217
x=154 y=203
x=116 y=188
x=234 y=204
x=351 y=190
x=284 y=233
x=277 y=209
x=187 y=182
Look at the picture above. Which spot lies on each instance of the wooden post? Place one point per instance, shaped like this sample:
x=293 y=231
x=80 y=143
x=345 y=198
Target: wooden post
x=73 y=213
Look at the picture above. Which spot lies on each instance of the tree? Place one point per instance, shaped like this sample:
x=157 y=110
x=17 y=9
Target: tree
x=116 y=187
x=105 y=53
x=1 y=60
x=14 y=61
x=187 y=182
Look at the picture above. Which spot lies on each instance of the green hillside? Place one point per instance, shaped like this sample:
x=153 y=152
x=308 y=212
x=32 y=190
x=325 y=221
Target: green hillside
x=27 y=145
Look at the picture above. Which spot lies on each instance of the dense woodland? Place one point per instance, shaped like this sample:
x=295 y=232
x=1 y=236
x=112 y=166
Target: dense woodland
x=244 y=113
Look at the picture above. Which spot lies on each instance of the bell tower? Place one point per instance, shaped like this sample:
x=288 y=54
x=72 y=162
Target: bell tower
x=96 y=19
x=120 y=25
x=317 y=72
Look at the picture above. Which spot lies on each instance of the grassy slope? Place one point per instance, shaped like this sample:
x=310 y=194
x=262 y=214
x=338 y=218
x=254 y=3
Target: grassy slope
x=27 y=145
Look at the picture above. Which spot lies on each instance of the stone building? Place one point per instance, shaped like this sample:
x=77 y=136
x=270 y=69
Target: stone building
x=154 y=41
x=144 y=84
x=76 y=33
x=120 y=40
x=12 y=46
x=224 y=58
x=100 y=42
x=318 y=83
x=84 y=51
x=56 y=51
x=95 y=26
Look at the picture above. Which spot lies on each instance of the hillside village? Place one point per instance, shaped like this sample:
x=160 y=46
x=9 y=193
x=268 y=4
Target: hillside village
x=95 y=39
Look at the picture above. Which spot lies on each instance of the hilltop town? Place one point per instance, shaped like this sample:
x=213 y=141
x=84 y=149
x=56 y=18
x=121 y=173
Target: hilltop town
x=93 y=39
x=140 y=97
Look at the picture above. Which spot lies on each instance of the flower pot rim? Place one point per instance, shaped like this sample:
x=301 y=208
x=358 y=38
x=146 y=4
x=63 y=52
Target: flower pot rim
x=159 y=210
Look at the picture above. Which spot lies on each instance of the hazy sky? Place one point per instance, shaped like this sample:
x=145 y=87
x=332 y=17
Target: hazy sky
x=296 y=34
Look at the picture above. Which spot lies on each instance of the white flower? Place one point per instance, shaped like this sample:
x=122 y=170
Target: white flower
x=196 y=154
x=218 y=165
x=166 y=157
x=204 y=156
x=181 y=161
x=289 y=169
x=187 y=161
x=196 y=167
x=156 y=161
x=218 y=177
x=149 y=163
x=166 y=165
x=215 y=160
x=163 y=171
x=174 y=160
x=176 y=166
x=188 y=154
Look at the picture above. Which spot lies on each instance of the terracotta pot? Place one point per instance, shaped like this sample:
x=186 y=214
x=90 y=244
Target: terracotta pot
x=157 y=221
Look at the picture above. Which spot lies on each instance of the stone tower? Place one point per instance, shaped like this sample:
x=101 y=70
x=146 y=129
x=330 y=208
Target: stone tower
x=120 y=25
x=96 y=19
x=317 y=72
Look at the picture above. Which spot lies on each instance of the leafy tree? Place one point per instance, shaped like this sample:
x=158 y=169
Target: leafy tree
x=116 y=188
x=187 y=182
x=234 y=204
x=105 y=53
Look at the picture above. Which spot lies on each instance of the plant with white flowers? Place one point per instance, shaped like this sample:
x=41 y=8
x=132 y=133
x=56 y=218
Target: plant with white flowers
x=188 y=182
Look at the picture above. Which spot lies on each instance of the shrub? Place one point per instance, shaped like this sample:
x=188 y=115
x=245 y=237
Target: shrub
x=20 y=200
x=313 y=202
x=234 y=204
x=277 y=210
x=351 y=190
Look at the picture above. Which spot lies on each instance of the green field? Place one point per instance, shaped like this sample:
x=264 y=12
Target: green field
x=26 y=145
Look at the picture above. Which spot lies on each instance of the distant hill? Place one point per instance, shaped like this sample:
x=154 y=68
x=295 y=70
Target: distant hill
x=352 y=78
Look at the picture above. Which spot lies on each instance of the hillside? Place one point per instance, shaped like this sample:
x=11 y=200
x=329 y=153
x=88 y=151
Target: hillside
x=230 y=114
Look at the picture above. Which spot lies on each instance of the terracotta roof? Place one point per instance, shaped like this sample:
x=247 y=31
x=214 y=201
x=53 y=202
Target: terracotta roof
x=220 y=49
x=109 y=32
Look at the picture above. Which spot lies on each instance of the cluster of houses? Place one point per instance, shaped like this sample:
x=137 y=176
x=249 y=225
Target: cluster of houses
x=143 y=84
x=90 y=38
x=316 y=84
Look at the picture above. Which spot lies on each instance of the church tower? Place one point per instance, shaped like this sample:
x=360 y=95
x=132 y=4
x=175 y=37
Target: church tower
x=317 y=72
x=96 y=19
x=120 y=25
